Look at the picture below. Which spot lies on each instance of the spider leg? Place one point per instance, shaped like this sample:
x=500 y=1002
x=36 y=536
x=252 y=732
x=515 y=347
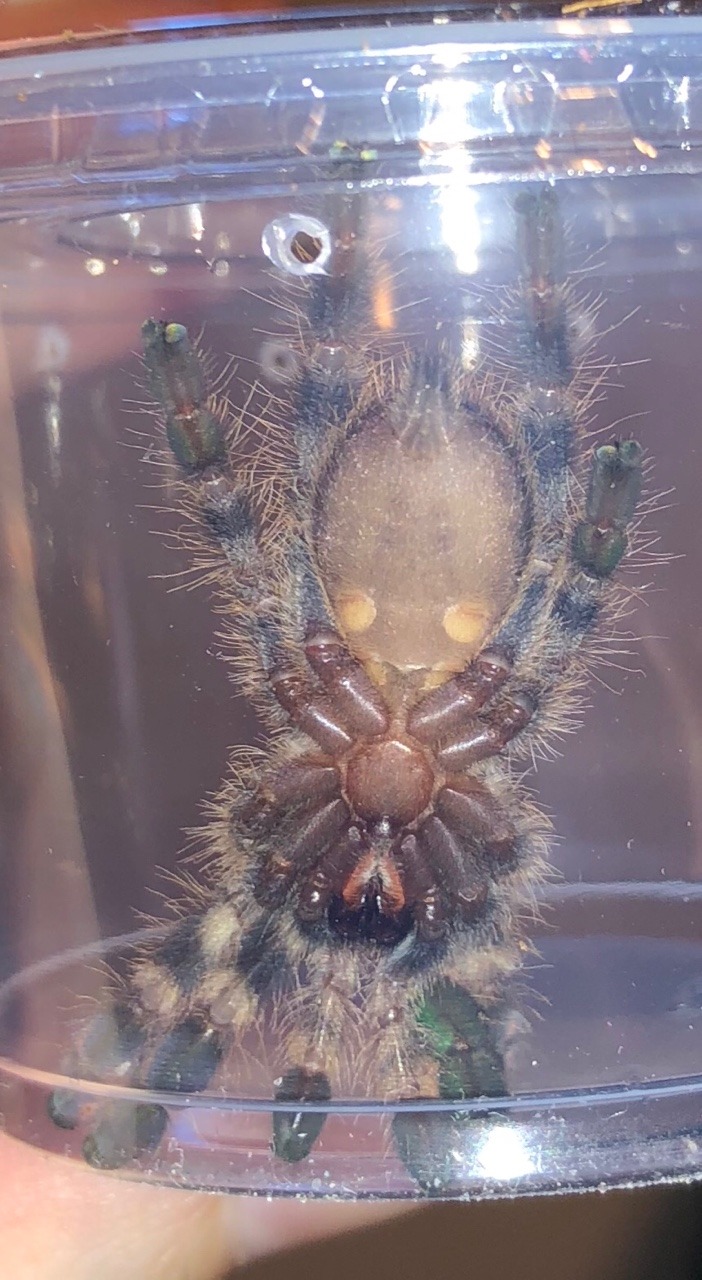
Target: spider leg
x=480 y=711
x=216 y=495
x=321 y=1030
x=332 y=318
x=547 y=406
x=597 y=545
x=272 y=604
x=574 y=553
x=222 y=505
x=167 y=1030
x=461 y=1038
x=580 y=553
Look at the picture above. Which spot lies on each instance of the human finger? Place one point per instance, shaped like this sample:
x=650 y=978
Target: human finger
x=60 y=1221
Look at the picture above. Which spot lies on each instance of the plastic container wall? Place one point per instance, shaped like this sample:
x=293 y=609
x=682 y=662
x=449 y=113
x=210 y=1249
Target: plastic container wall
x=211 y=184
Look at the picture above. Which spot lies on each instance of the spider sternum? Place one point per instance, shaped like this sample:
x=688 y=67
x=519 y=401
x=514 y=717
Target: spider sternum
x=392 y=778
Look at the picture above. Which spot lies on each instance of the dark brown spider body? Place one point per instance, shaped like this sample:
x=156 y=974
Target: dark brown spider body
x=411 y=619
x=419 y=529
x=390 y=841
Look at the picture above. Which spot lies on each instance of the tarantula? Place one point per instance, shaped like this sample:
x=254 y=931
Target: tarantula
x=412 y=618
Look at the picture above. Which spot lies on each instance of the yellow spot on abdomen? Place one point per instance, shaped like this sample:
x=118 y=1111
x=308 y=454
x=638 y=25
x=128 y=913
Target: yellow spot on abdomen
x=466 y=622
x=357 y=611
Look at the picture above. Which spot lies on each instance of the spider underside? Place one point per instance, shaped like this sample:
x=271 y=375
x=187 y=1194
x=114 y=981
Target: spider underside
x=411 y=614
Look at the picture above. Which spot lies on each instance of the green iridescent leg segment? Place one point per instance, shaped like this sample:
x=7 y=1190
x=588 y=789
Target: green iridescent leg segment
x=461 y=1037
x=600 y=541
x=177 y=382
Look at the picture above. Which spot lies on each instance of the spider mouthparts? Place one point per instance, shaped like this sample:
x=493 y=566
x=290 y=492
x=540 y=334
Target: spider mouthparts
x=372 y=906
x=373 y=916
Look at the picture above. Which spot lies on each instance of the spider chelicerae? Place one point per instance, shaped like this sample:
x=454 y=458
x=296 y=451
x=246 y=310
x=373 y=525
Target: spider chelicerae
x=409 y=599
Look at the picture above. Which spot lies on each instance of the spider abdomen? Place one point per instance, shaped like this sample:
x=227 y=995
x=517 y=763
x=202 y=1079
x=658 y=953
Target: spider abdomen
x=420 y=527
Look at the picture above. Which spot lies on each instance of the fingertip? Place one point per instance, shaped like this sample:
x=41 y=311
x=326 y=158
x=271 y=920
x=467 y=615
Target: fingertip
x=256 y=1227
x=59 y=1219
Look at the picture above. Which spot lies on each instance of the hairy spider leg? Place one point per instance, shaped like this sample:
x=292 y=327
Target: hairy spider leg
x=268 y=603
x=574 y=552
x=332 y=326
x=218 y=498
x=462 y=1037
x=207 y=972
x=167 y=1027
x=513 y=687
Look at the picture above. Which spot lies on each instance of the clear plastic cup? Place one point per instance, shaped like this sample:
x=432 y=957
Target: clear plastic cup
x=395 y=241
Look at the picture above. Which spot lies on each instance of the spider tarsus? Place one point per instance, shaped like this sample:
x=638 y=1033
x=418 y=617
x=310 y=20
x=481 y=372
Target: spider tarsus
x=452 y=1021
x=600 y=541
x=295 y=1133
x=124 y=1132
x=176 y=381
x=186 y=1059
x=436 y=1146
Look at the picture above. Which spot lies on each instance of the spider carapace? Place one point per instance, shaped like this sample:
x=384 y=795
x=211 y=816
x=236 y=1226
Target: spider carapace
x=409 y=601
